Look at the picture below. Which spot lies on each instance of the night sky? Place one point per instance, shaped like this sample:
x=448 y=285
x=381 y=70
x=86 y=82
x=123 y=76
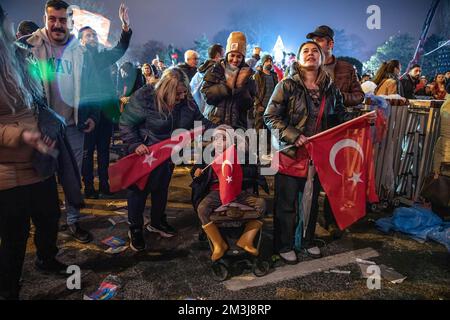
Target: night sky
x=182 y=21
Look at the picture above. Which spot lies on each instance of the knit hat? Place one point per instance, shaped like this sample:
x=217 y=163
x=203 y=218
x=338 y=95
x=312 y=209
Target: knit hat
x=265 y=58
x=237 y=42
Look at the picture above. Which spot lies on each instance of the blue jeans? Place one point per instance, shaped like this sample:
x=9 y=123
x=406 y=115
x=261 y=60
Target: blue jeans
x=76 y=141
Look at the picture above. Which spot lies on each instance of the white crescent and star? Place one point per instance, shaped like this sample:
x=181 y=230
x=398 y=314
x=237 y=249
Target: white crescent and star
x=149 y=159
x=227 y=163
x=346 y=143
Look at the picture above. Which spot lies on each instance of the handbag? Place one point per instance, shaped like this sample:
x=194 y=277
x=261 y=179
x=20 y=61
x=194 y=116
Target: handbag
x=52 y=125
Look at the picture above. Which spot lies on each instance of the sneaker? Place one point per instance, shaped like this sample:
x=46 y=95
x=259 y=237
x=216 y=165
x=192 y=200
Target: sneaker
x=167 y=227
x=164 y=230
x=137 y=241
x=90 y=193
x=313 y=252
x=79 y=234
x=51 y=266
x=289 y=257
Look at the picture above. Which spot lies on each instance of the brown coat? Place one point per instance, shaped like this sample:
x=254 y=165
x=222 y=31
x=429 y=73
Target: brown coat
x=387 y=87
x=15 y=157
x=345 y=79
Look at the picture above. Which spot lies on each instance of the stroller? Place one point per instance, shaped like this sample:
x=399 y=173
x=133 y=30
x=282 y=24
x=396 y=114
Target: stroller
x=231 y=224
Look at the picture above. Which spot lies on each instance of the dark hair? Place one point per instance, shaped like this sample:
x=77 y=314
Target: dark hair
x=80 y=32
x=27 y=27
x=415 y=66
x=56 y=4
x=385 y=70
x=314 y=43
x=214 y=50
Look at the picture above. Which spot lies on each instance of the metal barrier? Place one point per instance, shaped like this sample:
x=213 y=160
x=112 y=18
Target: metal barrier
x=404 y=158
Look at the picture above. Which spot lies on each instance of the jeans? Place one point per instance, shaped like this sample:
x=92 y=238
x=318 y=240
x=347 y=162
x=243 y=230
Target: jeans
x=158 y=186
x=287 y=190
x=76 y=141
x=39 y=202
x=99 y=139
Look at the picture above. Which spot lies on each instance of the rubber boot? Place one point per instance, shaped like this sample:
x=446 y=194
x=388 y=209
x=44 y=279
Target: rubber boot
x=246 y=240
x=220 y=246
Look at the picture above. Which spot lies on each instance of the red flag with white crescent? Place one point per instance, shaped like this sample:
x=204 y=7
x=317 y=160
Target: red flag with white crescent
x=343 y=157
x=230 y=175
x=134 y=169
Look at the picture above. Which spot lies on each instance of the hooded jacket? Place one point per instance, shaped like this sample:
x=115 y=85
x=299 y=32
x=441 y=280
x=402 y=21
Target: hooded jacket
x=71 y=62
x=290 y=105
x=196 y=86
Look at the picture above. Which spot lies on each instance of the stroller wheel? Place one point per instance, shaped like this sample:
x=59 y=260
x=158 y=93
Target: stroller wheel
x=260 y=268
x=220 y=271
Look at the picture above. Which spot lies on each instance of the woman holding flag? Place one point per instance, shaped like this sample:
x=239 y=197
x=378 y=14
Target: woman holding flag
x=151 y=116
x=302 y=105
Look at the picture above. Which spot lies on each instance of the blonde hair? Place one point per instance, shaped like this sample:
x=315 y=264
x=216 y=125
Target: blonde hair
x=166 y=89
x=146 y=65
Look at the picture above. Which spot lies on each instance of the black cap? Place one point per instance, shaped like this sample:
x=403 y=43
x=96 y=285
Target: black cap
x=322 y=31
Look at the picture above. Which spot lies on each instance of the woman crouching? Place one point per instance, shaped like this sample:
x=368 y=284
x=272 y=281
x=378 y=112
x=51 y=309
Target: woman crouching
x=152 y=115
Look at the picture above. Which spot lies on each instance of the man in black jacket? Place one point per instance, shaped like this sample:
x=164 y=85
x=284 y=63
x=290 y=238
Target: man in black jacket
x=410 y=81
x=98 y=91
x=191 y=59
x=266 y=80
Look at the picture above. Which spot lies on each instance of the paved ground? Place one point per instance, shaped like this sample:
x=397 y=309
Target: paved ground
x=179 y=268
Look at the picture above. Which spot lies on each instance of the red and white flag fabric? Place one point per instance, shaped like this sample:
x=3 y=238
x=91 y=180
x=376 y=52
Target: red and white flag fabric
x=230 y=175
x=343 y=157
x=135 y=169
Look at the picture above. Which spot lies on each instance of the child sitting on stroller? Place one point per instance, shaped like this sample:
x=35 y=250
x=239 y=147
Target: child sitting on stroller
x=206 y=199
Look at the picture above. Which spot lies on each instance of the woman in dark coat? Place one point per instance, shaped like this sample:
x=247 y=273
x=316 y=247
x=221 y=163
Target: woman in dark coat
x=302 y=105
x=152 y=115
x=229 y=86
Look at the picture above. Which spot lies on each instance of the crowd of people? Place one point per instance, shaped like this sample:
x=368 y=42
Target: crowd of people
x=388 y=81
x=60 y=104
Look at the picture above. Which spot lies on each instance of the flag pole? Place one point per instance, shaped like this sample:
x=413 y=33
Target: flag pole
x=341 y=125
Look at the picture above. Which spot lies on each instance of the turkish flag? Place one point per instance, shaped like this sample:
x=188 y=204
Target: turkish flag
x=134 y=169
x=230 y=175
x=343 y=157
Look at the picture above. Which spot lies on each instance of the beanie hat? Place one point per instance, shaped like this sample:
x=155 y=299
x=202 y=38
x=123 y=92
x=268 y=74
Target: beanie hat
x=265 y=58
x=237 y=42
